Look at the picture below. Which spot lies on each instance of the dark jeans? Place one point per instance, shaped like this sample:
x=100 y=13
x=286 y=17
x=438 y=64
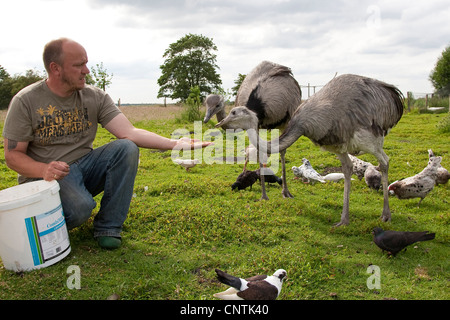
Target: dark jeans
x=111 y=168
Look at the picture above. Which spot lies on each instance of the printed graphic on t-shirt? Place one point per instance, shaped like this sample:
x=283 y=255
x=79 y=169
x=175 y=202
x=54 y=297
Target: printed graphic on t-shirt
x=55 y=125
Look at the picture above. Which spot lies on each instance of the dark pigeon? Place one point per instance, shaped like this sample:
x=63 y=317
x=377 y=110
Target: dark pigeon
x=269 y=176
x=395 y=241
x=244 y=180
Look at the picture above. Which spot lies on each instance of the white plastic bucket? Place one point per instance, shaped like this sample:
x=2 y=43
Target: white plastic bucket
x=33 y=231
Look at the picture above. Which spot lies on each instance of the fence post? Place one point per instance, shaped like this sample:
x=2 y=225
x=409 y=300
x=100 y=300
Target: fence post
x=408 y=100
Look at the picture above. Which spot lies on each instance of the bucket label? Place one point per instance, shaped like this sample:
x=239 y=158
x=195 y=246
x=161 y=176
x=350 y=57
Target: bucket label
x=47 y=234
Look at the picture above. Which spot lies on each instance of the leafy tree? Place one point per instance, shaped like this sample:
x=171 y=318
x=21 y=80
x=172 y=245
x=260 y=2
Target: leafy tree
x=189 y=62
x=238 y=83
x=9 y=86
x=21 y=81
x=100 y=77
x=440 y=76
x=5 y=88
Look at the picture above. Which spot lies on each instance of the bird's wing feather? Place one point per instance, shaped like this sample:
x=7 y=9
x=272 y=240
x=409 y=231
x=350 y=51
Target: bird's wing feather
x=259 y=290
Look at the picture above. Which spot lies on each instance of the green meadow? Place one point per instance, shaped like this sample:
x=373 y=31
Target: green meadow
x=182 y=225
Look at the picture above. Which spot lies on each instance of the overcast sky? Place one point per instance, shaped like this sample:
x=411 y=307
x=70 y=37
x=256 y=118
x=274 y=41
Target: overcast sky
x=395 y=41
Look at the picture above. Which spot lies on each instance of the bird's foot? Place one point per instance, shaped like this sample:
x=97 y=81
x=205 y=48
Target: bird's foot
x=287 y=194
x=341 y=223
x=386 y=217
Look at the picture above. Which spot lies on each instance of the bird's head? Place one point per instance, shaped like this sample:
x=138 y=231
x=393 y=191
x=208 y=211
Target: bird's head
x=393 y=186
x=280 y=274
x=240 y=118
x=214 y=103
x=377 y=231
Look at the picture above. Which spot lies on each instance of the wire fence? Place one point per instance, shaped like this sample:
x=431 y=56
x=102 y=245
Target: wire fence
x=421 y=100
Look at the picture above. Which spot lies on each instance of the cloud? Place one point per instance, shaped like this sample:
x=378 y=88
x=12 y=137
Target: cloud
x=396 y=41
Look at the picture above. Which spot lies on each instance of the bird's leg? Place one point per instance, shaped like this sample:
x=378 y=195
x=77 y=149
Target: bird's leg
x=418 y=205
x=285 y=192
x=245 y=166
x=347 y=167
x=384 y=168
x=263 y=184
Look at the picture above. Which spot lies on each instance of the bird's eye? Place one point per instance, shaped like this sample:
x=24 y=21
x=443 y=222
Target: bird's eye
x=233 y=113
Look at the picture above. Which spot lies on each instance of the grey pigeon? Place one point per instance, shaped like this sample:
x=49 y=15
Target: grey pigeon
x=261 y=287
x=395 y=241
x=373 y=177
x=442 y=174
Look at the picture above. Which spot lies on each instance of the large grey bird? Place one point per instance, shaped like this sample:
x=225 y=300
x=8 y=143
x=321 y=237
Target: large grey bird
x=350 y=114
x=395 y=241
x=273 y=94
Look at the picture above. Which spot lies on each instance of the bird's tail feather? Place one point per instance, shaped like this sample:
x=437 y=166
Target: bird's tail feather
x=427 y=236
x=227 y=279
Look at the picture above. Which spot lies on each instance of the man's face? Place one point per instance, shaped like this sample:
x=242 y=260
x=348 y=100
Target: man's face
x=74 y=68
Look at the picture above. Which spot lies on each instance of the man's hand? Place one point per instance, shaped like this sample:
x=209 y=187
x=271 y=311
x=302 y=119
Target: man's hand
x=56 y=170
x=187 y=143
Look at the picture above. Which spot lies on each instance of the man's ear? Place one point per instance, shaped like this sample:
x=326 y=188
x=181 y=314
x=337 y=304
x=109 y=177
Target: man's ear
x=55 y=68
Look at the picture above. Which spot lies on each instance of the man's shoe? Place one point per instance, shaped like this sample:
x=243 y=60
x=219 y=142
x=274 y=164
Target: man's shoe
x=109 y=243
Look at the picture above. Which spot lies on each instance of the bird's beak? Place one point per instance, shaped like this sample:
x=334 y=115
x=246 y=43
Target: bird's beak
x=221 y=123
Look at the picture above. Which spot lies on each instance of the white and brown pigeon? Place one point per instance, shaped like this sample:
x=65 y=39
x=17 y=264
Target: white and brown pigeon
x=417 y=186
x=260 y=287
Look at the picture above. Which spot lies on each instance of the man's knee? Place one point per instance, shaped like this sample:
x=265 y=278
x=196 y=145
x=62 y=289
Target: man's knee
x=77 y=212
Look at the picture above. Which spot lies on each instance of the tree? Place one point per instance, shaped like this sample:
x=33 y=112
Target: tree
x=440 y=76
x=100 y=78
x=5 y=88
x=190 y=62
x=9 y=86
x=238 y=83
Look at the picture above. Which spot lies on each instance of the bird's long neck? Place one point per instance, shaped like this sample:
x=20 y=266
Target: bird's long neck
x=221 y=114
x=289 y=136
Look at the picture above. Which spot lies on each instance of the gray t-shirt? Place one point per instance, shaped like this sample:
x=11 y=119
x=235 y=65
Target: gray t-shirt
x=57 y=129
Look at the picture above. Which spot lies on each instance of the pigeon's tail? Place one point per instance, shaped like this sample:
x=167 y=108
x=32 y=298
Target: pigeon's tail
x=279 y=181
x=229 y=280
x=426 y=236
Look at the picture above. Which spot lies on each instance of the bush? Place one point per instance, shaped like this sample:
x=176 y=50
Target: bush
x=192 y=104
x=444 y=125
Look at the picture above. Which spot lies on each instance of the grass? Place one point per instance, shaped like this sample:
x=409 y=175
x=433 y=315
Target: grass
x=182 y=225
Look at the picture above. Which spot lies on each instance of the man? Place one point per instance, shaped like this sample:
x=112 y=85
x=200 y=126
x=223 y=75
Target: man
x=48 y=134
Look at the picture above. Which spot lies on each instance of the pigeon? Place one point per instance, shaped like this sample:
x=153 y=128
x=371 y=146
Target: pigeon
x=269 y=176
x=261 y=287
x=442 y=174
x=372 y=177
x=395 y=241
x=298 y=171
x=244 y=180
x=359 y=166
x=334 y=177
x=187 y=163
x=307 y=172
x=417 y=186
x=252 y=155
